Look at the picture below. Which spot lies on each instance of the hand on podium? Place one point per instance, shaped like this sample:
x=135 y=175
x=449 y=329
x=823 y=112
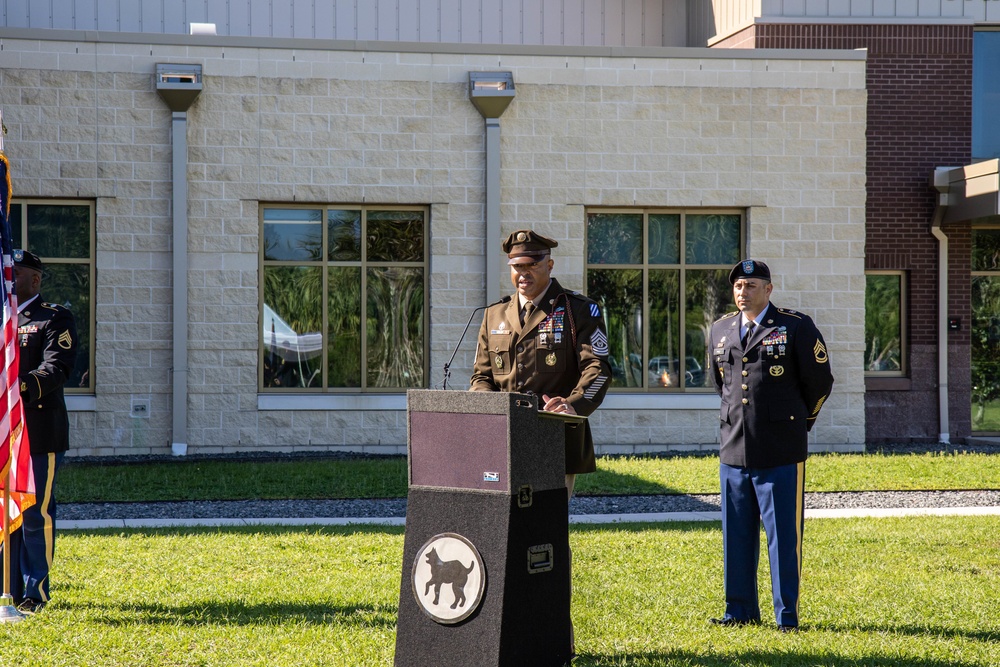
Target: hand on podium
x=557 y=404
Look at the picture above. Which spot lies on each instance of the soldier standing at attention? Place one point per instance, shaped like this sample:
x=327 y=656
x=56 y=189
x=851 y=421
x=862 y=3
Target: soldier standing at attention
x=549 y=341
x=772 y=370
x=46 y=333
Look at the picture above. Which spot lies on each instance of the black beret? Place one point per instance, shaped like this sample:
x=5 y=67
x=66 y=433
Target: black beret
x=750 y=268
x=528 y=244
x=27 y=260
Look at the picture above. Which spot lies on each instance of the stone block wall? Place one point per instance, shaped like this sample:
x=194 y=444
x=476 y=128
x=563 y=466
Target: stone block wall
x=782 y=139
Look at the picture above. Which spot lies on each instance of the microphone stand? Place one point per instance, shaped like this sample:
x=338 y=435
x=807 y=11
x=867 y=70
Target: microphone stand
x=447 y=366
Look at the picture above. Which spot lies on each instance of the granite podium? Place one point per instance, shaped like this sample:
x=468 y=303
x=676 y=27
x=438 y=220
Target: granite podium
x=486 y=577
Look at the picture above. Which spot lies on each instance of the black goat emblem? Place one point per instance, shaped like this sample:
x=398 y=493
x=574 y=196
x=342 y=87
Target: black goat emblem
x=447 y=572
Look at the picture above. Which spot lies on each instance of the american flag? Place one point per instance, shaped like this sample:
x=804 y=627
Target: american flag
x=15 y=455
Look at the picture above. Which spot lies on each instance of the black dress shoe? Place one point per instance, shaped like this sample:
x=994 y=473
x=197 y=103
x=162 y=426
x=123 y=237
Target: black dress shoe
x=731 y=622
x=788 y=628
x=30 y=606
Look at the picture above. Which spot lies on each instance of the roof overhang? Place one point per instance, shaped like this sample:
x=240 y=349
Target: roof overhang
x=969 y=192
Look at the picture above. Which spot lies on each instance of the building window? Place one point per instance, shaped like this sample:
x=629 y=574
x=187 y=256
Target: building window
x=884 y=335
x=986 y=331
x=985 y=94
x=661 y=278
x=343 y=298
x=61 y=233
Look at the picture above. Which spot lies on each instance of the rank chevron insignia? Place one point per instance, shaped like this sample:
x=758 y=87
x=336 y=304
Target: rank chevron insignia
x=820 y=351
x=599 y=343
x=65 y=340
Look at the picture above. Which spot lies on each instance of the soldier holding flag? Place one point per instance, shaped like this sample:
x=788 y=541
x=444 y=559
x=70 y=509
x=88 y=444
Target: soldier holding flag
x=46 y=335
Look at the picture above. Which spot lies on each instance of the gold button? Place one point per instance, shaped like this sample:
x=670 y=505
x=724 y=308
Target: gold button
x=793 y=417
x=745 y=387
x=744 y=373
x=744 y=360
x=745 y=401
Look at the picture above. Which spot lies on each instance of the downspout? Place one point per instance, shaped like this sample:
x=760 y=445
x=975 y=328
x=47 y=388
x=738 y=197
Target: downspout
x=179 y=86
x=178 y=132
x=492 y=209
x=941 y=184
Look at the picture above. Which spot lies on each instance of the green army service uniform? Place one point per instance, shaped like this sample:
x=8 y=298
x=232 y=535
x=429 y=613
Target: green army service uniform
x=561 y=350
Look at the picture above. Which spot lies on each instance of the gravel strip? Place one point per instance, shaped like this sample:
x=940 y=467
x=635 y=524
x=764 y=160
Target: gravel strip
x=396 y=507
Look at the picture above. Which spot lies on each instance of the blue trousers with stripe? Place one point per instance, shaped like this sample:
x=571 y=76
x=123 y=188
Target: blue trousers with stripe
x=775 y=496
x=32 y=546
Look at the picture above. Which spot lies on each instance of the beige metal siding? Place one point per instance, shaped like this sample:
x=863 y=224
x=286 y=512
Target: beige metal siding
x=545 y=22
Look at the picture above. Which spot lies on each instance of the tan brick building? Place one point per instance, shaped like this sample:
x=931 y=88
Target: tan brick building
x=320 y=173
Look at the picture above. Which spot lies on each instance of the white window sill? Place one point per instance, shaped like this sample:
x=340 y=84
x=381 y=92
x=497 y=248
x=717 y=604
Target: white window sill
x=398 y=402
x=81 y=403
x=331 y=401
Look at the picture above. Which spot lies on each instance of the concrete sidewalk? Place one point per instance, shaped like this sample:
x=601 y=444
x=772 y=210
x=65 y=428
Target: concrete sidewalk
x=652 y=517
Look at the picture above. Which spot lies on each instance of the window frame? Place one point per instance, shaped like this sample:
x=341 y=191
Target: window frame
x=325 y=264
x=90 y=262
x=903 y=371
x=982 y=116
x=683 y=267
x=978 y=273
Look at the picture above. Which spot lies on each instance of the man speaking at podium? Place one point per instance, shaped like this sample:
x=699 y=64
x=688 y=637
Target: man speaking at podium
x=548 y=341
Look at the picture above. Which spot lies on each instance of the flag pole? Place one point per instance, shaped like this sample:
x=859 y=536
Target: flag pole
x=8 y=612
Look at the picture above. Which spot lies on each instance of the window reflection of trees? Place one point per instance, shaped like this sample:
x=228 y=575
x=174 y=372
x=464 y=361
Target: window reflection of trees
x=395 y=327
x=294 y=295
x=61 y=235
x=59 y=230
x=344 y=326
x=986 y=330
x=619 y=294
x=375 y=297
x=615 y=241
x=709 y=296
x=69 y=286
x=883 y=345
x=986 y=353
x=395 y=236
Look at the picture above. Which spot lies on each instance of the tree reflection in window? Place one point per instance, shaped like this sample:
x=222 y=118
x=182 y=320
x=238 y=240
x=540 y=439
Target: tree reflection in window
x=985 y=332
x=351 y=316
x=660 y=303
x=883 y=336
x=60 y=234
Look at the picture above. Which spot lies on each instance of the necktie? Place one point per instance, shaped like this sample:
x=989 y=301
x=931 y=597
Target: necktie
x=746 y=336
x=526 y=311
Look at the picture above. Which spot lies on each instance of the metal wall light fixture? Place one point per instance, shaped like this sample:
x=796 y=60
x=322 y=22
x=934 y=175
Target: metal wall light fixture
x=491 y=93
x=178 y=85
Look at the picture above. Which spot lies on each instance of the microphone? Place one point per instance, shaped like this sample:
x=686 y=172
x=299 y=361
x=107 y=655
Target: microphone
x=447 y=366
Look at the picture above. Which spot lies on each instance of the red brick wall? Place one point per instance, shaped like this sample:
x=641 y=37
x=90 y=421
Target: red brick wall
x=919 y=117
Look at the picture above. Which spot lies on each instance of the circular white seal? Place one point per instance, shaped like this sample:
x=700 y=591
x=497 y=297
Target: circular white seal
x=448 y=578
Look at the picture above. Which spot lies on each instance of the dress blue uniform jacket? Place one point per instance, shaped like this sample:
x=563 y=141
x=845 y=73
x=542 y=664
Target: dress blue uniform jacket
x=771 y=392
x=46 y=334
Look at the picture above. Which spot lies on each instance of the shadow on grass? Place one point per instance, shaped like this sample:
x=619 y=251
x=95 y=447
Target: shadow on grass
x=640 y=527
x=238 y=613
x=605 y=482
x=262 y=529
x=914 y=631
x=775 y=658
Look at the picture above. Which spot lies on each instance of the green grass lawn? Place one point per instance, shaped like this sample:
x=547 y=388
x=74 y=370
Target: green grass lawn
x=386 y=477
x=886 y=592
